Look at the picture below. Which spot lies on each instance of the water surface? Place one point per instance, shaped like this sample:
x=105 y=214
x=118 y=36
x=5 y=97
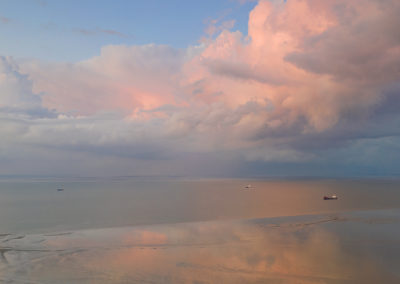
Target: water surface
x=356 y=247
x=36 y=206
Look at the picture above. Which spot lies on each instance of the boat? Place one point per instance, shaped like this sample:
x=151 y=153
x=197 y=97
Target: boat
x=248 y=186
x=60 y=189
x=331 y=197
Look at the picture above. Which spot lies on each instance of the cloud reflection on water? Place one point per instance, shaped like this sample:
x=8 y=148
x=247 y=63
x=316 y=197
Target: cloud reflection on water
x=208 y=252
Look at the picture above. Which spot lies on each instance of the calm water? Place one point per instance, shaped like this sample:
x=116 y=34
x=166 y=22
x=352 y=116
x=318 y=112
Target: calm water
x=208 y=231
x=37 y=206
x=347 y=247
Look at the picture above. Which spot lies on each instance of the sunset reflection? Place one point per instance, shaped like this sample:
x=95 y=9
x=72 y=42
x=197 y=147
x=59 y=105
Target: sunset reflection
x=285 y=250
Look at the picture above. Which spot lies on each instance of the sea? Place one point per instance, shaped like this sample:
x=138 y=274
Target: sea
x=179 y=230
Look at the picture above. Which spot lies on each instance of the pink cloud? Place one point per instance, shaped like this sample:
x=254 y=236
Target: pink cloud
x=272 y=57
x=305 y=67
x=121 y=78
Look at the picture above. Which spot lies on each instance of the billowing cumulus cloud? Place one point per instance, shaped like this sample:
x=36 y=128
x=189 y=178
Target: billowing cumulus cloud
x=15 y=88
x=120 y=78
x=311 y=83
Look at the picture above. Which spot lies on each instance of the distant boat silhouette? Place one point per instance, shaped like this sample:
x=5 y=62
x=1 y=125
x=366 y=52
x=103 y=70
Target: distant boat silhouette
x=332 y=197
x=248 y=186
x=60 y=189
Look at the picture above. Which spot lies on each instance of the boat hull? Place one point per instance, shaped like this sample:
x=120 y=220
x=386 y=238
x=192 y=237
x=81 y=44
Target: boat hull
x=330 y=198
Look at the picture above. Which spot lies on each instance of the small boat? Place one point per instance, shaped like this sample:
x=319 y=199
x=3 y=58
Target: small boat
x=60 y=189
x=332 y=197
x=248 y=186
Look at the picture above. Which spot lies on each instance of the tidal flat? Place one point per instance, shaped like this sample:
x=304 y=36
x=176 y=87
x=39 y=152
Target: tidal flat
x=357 y=247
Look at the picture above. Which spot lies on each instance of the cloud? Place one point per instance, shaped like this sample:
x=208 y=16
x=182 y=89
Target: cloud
x=309 y=82
x=245 y=1
x=5 y=20
x=363 y=47
x=124 y=78
x=215 y=27
x=99 y=31
x=16 y=95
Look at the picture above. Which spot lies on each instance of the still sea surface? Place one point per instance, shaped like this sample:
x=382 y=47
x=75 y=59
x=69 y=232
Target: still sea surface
x=34 y=206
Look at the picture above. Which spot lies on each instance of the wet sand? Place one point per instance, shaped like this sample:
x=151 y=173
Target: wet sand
x=343 y=247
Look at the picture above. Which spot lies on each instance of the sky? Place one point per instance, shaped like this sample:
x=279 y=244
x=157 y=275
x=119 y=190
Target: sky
x=229 y=88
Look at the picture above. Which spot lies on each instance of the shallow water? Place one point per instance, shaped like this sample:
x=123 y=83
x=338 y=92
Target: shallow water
x=356 y=247
x=29 y=206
